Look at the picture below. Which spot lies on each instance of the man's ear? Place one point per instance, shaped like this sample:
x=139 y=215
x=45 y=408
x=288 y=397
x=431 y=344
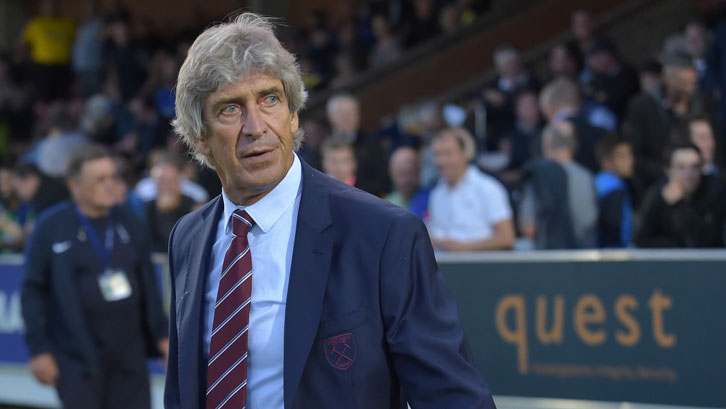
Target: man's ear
x=202 y=147
x=72 y=186
x=294 y=122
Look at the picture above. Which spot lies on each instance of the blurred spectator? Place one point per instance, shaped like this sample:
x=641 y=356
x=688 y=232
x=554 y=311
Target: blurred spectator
x=146 y=188
x=650 y=78
x=405 y=170
x=424 y=25
x=607 y=79
x=518 y=143
x=125 y=195
x=688 y=209
x=563 y=62
x=343 y=114
x=651 y=118
x=36 y=190
x=49 y=38
x=88 y=50
x=125 y=59
x=449 y=18
x=615 y=221
x=583 y=31
x=499 y=95
x=169 y=206
x=697 y=41
x=315 y=133
x=60 y=139
x=339 y=160
x=555 y=214
x=90 y=301
x=560 y=101
x=468 y=209
x=697 y=129
x=387 y=48
x=16 y=218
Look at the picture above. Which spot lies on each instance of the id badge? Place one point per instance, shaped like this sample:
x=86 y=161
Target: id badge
x=114 y=285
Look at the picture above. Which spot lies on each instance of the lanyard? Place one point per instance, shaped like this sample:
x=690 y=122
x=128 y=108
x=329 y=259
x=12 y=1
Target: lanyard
x=104 y=252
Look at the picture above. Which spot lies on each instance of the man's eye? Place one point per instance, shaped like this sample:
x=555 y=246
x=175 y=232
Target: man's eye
x=270 y=100
x=230 y=109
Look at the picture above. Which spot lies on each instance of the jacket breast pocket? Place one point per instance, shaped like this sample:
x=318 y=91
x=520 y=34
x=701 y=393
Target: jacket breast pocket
x=341 y=323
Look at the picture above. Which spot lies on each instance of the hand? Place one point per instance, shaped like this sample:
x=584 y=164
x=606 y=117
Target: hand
x=446 y=244
x=672 y=192
x=494 y=97
x=163 y=345
x=44 y=368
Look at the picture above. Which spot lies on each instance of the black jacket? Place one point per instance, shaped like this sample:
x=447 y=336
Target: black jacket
x=51 y=306
x=695 y=222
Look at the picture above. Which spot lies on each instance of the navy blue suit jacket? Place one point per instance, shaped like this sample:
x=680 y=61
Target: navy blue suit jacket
x=369 y=323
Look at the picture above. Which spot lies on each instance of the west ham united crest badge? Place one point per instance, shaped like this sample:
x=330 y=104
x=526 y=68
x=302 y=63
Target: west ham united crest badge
x=340 y=351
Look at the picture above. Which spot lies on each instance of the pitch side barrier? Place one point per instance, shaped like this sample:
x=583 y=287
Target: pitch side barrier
x=548 y=329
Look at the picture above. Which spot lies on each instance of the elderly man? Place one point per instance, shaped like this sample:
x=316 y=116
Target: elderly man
x=291 y=289
x=91 y=304
x=469 y=210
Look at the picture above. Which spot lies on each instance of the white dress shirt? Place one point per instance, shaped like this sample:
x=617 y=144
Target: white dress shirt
x=271 y=242
x=469 y=210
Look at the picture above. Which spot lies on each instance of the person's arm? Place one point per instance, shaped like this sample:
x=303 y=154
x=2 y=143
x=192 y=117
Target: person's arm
x=650 y=232
x=611 y=219
x=422 y=328
x=502 y=239
x=172 y=398
x=34 y=295
x=527 y=212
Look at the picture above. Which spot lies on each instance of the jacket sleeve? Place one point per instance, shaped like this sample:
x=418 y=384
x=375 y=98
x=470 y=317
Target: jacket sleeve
x=172 y=399
x=36 y=290
x=422 y=326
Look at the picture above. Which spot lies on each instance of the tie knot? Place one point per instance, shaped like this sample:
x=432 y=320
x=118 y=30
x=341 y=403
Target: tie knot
x=241 y=223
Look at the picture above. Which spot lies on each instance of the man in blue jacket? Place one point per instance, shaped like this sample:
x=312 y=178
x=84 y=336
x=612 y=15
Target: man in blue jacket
x=90 y=302
x=292 y=290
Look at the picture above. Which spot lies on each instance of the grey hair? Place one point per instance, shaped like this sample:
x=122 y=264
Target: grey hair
x=226 y=53
x=561 y=92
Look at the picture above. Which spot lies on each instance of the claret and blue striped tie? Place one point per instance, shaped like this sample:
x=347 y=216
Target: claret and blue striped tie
x=227 y=366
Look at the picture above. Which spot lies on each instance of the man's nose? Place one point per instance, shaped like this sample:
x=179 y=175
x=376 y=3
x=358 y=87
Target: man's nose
x=253 y=124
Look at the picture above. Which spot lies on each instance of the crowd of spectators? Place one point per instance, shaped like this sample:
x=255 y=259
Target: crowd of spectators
x=594 y=154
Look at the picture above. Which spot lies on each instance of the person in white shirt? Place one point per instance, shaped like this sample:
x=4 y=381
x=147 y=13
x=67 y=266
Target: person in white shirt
x=468 y=209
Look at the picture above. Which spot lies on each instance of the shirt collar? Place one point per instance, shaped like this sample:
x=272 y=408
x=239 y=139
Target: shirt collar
x=270 y=208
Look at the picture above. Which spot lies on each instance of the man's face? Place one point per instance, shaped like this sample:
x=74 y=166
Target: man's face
x=168 y=179
x=685 y=169
x=528 y=108
x=340 y=163
x=702 y=136
x=582 y=26
x=623 y=161
x=449 y=157
x=250 y=138
x=7 y=189
x=345 y=116
x=696 y=40
x=97 y=185
x=681 y=81
x=405 y=171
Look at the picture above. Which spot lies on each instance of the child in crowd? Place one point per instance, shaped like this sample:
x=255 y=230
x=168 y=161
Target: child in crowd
x=615 y=223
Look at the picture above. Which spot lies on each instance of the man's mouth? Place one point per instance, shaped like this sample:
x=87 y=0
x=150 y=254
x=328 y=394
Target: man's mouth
x=256 y=153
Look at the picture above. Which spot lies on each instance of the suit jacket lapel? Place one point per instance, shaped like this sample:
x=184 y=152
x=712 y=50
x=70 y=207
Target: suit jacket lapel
x=189 y=318
x=308 y=277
